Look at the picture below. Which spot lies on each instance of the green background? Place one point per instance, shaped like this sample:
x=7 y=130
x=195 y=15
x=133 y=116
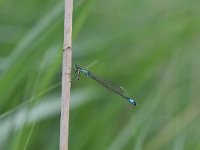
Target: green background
x=150 y=47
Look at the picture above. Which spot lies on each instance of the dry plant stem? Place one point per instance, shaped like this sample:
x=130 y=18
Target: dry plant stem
x=66 y=75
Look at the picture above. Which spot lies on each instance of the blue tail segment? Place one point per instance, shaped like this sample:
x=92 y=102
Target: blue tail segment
x=132 y=101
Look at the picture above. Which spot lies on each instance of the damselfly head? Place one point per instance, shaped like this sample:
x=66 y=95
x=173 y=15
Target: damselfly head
x=77 y=72
x=76 y=66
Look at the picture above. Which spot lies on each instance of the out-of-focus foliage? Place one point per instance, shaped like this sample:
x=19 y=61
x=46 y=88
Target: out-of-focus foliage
x=150 y=47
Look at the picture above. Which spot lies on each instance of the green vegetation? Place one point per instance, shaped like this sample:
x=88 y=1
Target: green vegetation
x=149 y=47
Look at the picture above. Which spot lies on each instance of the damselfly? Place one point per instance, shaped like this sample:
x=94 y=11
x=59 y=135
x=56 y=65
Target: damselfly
x=117 y=89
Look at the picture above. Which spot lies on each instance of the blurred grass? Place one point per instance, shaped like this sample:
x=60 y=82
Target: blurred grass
x=151 y=48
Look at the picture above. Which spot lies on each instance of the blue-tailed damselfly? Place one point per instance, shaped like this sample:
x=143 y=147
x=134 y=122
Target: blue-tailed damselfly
x=117 y=89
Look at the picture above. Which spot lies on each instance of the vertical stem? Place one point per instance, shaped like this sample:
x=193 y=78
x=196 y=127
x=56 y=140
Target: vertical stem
x=66 y=75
